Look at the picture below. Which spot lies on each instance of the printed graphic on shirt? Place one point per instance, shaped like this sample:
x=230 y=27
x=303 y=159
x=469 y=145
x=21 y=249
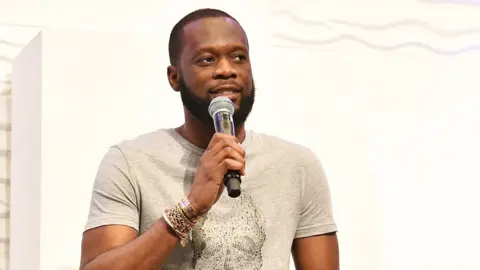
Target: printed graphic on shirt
x=230 y=238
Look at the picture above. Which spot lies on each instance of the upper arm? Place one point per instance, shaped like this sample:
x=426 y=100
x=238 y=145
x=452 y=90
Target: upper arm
x=316 y=213
x=113 y=219
x=315 y=245
x=102 y=239
x=316 y=252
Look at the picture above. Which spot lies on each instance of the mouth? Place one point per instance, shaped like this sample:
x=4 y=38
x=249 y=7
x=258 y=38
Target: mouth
x=229 y=91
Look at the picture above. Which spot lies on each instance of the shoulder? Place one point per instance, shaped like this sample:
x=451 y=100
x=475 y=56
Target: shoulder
x=145 y=145
x=145 y=141
x=275 y=145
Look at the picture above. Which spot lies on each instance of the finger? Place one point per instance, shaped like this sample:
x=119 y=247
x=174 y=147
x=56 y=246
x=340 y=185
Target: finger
x=224 y=143
x=237 y=147
x=229 y=153
x=219 y=137
x=229 y=147
x=231 y=164
x=242 y=170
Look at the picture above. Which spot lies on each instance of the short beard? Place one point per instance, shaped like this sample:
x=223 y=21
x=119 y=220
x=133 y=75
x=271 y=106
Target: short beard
x=198 y=107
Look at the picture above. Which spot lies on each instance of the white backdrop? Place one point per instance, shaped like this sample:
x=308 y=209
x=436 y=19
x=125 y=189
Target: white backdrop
x=391 y=88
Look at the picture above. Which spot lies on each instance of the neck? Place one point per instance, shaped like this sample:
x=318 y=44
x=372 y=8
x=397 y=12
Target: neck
x=200 y=134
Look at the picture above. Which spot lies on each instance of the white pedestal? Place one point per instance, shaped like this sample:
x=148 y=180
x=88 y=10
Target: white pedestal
x=75 y=93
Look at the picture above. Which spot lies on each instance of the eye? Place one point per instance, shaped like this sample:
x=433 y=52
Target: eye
x=207 y=60
x=239 y=57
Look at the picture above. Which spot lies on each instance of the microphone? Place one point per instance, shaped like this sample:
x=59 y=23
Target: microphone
x=221 y=110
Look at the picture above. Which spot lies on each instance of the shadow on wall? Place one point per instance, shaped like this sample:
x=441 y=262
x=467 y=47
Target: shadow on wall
x=5 y=133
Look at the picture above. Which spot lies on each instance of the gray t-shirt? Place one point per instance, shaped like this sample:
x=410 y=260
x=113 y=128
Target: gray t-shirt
x=285 y=195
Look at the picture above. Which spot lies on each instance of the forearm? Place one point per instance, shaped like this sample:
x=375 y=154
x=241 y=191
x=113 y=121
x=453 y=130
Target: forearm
x=148 y=251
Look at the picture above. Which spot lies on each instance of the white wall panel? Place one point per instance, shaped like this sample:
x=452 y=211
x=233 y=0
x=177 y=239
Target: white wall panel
x=384 y=91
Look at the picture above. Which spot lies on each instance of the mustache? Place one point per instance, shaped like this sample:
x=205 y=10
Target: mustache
x=230 y=84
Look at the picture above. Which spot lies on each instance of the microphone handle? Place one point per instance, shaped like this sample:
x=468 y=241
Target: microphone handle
x=232 y=179
x=232 y=182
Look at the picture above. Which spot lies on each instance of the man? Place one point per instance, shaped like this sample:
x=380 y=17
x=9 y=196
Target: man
x=158 y=200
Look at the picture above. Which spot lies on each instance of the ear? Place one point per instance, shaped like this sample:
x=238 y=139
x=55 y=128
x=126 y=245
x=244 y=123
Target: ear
x=173 y=77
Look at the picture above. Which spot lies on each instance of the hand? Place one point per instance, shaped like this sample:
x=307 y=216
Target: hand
x=223 y=153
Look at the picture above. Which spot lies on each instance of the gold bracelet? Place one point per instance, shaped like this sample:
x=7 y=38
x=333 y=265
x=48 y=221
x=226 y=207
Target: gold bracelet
x=190 y=212
x=179 y=223
x=170 y=224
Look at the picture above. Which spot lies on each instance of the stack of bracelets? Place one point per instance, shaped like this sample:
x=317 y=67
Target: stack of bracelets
x=181 y=218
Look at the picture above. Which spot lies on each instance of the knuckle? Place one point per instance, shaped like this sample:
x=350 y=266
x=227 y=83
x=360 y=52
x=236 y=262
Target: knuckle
x=220 y=136
x=216 y=137
x=208 y=175
x=203 y=159
x=228 y=163
x=233 y=164
x=226 y=151
x=221 y=142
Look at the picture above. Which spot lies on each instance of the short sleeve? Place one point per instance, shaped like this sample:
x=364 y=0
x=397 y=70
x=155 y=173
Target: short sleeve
x=316 y=216
x=114 y=200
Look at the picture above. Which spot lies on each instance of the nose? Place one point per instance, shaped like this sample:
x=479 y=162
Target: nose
x=224 y=69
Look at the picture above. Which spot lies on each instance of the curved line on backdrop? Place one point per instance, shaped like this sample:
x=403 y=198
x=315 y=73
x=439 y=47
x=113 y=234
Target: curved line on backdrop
x=414 y=44
x=380 y=27
x=5 y=92
x=4 y=181
x=470 y=3
x=5 y=59
x=5 y=203
x=4 y=240
x=4 y=215
x=9 y=43
x=5 y=84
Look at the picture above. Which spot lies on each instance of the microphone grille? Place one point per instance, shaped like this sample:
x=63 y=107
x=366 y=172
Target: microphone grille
x=220 y=103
